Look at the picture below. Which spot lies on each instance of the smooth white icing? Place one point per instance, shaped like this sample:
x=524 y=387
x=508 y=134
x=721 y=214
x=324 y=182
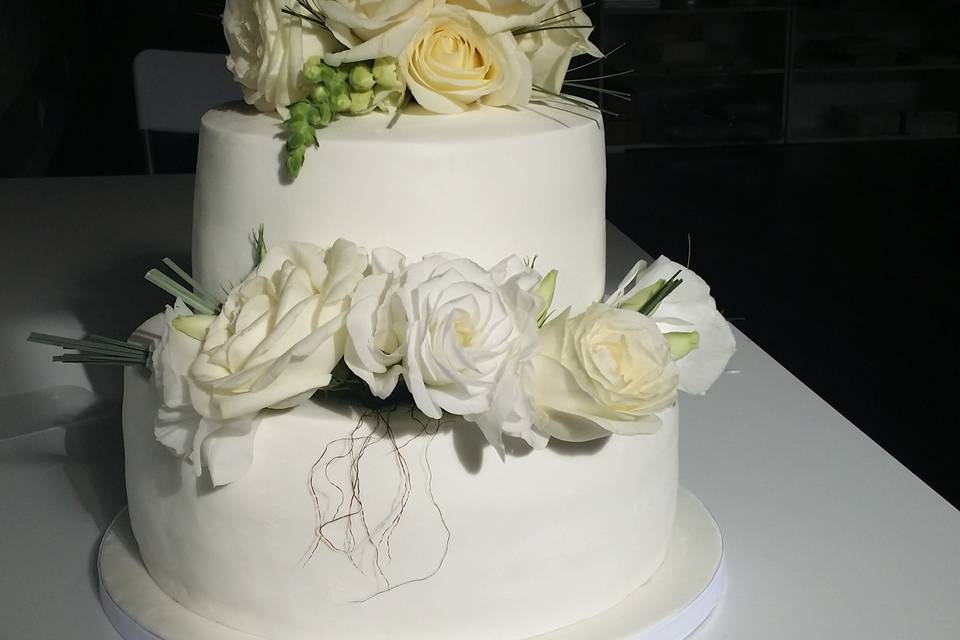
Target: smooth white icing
x=483 y=184
x=536 y=542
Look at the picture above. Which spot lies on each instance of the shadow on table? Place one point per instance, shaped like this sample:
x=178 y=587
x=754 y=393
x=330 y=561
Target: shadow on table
x=94 y=467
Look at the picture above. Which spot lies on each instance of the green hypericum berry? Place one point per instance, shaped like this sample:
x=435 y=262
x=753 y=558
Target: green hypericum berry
x=360 y=77
x=319 y=94
x=385 y=73
x=340 y=98
x=360 y=101
x=299 y=109
x=295 y=161
x=320 y=116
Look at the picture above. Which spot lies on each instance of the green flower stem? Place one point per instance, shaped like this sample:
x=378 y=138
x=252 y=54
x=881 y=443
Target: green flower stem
x=174 y=288
x=661 y=294
x=95 y=349
x=208 y=297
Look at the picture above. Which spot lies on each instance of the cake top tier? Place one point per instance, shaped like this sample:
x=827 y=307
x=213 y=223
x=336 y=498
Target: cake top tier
x=484 y=184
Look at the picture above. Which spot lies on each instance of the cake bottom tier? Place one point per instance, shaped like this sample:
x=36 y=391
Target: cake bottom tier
x=375 y=525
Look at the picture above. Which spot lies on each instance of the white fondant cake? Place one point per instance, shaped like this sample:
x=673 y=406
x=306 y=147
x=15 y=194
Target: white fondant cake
x=485 y=184
x=504 y=549
x=447 y=541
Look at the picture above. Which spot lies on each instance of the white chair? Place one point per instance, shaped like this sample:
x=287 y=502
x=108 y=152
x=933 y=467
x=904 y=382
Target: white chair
x=174 y=88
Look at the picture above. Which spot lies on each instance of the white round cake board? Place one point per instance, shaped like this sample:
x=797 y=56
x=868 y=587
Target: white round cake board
x=670 y=606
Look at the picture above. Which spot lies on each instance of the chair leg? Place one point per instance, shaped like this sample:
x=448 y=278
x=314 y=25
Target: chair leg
x=147 y=151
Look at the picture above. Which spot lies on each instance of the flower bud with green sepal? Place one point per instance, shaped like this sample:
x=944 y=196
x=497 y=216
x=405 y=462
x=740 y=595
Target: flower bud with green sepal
x=305 y=137
x=312 y=72
x=320 y=116
x=299 y=110
x=545 y=290
x=361 y=102
x=301 y=133
x=360 y=77
x=682 y=342
x=386 y=75
x=320 y=94
x=295 y=161
x=195 y=325
x=340 y=98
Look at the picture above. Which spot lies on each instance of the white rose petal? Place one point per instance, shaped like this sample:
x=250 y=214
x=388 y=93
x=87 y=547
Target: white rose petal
x=367 y=19
x=176 y=421
x=385 y=37
x=499 y=16
x=689 y=307
x=550 y=50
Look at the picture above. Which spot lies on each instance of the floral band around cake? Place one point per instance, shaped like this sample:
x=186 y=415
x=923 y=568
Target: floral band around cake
x=441 y=334
x=313 y=60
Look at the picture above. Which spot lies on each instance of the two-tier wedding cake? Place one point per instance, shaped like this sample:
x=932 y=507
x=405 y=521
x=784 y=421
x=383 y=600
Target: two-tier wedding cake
x=392 y=400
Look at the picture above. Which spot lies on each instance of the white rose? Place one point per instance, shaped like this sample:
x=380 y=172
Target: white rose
x=277 y=339
x=460 y=336
x=268 y=49
x=605 y=371
x=550 y=50
x=451 y=63
x=689 y=307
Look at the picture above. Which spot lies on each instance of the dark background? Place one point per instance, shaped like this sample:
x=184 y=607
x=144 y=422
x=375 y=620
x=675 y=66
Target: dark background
x=828 y=237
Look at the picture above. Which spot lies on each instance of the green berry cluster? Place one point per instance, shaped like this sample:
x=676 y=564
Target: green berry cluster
x=347 y=89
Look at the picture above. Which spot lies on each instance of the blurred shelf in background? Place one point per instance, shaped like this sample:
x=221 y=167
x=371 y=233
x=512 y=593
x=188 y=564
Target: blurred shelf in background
x=734 y=72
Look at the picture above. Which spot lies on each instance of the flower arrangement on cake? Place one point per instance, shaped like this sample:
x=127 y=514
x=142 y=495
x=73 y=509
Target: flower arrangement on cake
x=312 y=61
x=441 y=334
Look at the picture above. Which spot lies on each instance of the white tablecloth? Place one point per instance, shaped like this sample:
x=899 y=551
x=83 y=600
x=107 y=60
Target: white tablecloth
x=826 y=535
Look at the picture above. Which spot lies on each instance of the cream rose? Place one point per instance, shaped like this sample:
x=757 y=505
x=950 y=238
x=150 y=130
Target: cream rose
x=278 y=337
x=451 y=63
x=460 y=336
x=268 y=49
x=550 y=50
x=605 y=371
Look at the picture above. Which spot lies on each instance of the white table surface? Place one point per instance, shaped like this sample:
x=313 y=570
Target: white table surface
x=826 y=535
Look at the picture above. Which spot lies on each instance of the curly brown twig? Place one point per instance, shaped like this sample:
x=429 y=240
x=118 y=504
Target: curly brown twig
x=361 y=537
